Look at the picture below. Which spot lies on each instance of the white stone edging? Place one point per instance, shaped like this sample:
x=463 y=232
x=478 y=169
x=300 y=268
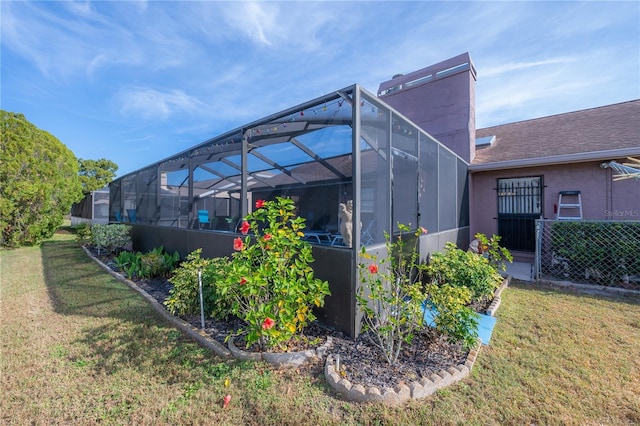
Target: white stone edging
x=491 y=310
x=402 y=392
x=281 y=359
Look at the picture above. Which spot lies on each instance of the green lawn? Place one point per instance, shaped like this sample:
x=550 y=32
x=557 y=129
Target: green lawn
x=79 y=347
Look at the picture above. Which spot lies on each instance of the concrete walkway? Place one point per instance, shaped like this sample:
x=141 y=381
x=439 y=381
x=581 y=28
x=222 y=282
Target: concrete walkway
x=520 y=271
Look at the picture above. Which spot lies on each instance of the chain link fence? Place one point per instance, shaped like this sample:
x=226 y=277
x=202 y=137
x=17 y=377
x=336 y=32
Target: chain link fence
x=591 y=252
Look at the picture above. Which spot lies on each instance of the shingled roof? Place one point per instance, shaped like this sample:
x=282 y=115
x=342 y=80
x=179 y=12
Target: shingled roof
x=607 y=132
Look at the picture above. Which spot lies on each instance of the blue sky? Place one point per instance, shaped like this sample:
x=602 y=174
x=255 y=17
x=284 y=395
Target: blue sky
x=136 y=82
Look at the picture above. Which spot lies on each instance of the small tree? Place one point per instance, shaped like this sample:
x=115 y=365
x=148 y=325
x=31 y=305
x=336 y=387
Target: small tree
x=391 y=294
x=38 y=181
x=96 y=174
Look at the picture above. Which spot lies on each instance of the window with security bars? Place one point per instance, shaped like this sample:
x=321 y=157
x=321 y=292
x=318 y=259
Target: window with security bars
x=520 y=195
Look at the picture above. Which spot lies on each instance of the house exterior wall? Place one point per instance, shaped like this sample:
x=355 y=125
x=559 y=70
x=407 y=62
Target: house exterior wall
x=602 y=198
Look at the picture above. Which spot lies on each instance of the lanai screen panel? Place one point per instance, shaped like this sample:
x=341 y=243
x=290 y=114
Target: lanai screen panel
x=463 y=194
x=115 y=200
x=375 y=154
x=174 y=193
x=404 y=176
x=129 y=198
x=147 y=195
x=447 y=190
x=428 y=182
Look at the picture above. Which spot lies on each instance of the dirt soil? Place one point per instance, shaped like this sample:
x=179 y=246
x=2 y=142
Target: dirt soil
x=361 y=360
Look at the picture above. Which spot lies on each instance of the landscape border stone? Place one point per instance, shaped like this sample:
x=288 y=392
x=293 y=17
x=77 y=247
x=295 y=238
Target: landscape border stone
x=491 y=310
x=414 y=389
x=403 y=392
x=279 y=360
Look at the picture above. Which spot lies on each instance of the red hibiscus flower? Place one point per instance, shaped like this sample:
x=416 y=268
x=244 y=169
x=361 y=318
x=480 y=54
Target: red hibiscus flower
x=373 y=268
x=245 y=227
x=243 y=281
x=268 y=323
x=267 y=237
x=259 y=204
x=237 y=244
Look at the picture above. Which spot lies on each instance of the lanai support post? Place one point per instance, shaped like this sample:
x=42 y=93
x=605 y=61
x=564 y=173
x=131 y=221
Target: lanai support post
x=244 y=202
x=355 y=223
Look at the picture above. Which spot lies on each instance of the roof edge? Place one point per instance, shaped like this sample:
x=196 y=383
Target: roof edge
x=579 y=111
x=556 y=159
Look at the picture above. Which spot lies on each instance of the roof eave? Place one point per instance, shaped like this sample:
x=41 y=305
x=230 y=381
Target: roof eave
x=556 y=159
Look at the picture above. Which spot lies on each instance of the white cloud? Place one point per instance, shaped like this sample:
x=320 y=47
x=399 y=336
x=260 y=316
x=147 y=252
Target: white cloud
x=519 y=66
x=153 y=104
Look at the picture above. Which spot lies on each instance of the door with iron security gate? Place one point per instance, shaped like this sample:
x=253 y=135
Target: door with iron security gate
x=519 y=205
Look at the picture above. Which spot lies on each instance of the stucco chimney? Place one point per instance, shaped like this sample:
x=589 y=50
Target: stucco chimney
x=441 y=100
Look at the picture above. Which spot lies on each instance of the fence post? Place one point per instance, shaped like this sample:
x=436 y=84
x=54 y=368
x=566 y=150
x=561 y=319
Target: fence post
x=537 y=264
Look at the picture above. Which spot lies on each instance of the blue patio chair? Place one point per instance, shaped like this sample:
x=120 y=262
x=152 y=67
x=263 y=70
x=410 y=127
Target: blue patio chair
x=132 y=215
x=203 y=217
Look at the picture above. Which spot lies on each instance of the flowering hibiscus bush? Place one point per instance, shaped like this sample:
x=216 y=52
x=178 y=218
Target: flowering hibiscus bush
x=391 y=294
x=268 y=280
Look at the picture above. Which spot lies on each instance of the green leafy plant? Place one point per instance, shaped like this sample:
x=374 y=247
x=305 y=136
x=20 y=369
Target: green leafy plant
x=391 y=294
x=153 y=264
x=269 y=280
x=111 y=238
x=83 y=233
x=157 y=263
x=129 y=262
x=460 y=268
x=452 y=315
x=600 y=252
x=497 y=255
x=184 y=297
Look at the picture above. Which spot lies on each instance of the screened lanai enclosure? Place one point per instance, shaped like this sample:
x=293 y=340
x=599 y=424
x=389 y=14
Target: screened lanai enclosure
x=347 y=148
x=93 y=209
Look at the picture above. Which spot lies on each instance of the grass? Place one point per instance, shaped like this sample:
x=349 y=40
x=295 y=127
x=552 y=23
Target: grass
x=78 y=347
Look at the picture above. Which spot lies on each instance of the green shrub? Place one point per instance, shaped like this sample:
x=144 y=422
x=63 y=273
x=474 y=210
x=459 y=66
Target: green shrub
x=111 y=238
x=184 y=297
x=83 y=233
x=608 y=248
x=268 y=279
x=452 y=315
x=155 y=263
x=460 y=268
x=391 y=294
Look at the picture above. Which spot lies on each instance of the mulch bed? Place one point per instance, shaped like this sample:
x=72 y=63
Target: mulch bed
x=363 y=362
